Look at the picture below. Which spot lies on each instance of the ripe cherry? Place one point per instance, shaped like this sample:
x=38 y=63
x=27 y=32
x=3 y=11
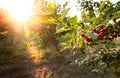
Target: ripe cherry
x=114 y=31
x=88 y=40
x=104 y=29
x=96 y=31
x=83 y=35
x=101 y=35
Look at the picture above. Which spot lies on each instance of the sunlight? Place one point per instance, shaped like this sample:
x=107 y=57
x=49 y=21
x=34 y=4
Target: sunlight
x=20 y=9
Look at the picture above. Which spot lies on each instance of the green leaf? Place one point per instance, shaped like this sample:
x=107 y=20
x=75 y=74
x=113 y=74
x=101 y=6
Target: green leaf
x=102 y=5
x=50 y=21
x=51 y=7
x=117 y=14
x=117 y=6
x=63 y=15
x=64 y=44
x=81 y=43
x=65 y=12
x=73 y=20
x=65 y=48
x=63 y=31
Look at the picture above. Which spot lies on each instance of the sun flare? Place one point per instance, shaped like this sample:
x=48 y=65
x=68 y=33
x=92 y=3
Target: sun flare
x=20 y=9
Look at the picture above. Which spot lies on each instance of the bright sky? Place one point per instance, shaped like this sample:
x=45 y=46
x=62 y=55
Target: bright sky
x=23 y=8
x=73 y=11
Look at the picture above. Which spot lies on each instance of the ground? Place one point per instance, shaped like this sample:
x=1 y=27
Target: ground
x=27 y=65
x=23 y=64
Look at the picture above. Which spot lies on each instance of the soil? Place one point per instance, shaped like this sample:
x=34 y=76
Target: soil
x=17 y=66
x=25 y=66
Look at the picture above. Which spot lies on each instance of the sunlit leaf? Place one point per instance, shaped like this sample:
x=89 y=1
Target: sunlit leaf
x=103 y=5
x=51 y=7
x=50 y=21
x=73 y=20
x=63 y=31
x=65 y=12
x=65 y=48
x=117 y=14
x=81 y=43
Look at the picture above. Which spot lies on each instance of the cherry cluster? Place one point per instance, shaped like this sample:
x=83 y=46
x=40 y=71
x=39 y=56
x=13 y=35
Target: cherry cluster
x=89 y=40
x=106 y=33
x=101 y=33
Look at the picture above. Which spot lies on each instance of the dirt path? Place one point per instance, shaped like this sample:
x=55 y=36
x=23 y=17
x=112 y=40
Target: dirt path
x=22 y=65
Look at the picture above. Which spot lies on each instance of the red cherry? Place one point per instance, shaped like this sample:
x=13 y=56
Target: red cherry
x=83 y=35
x=104 y=29
x=114 y=31
x=88 y=39
x=96 y=31
x=100 y=35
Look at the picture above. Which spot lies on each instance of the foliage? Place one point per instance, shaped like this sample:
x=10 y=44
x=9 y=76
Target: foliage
x=42 y=26
x=95 y=34
x=11 y=37
x=6 y=32
x=100 y=32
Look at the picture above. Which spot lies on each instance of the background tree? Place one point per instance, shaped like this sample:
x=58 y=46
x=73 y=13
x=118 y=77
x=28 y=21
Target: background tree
x=6 y=32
